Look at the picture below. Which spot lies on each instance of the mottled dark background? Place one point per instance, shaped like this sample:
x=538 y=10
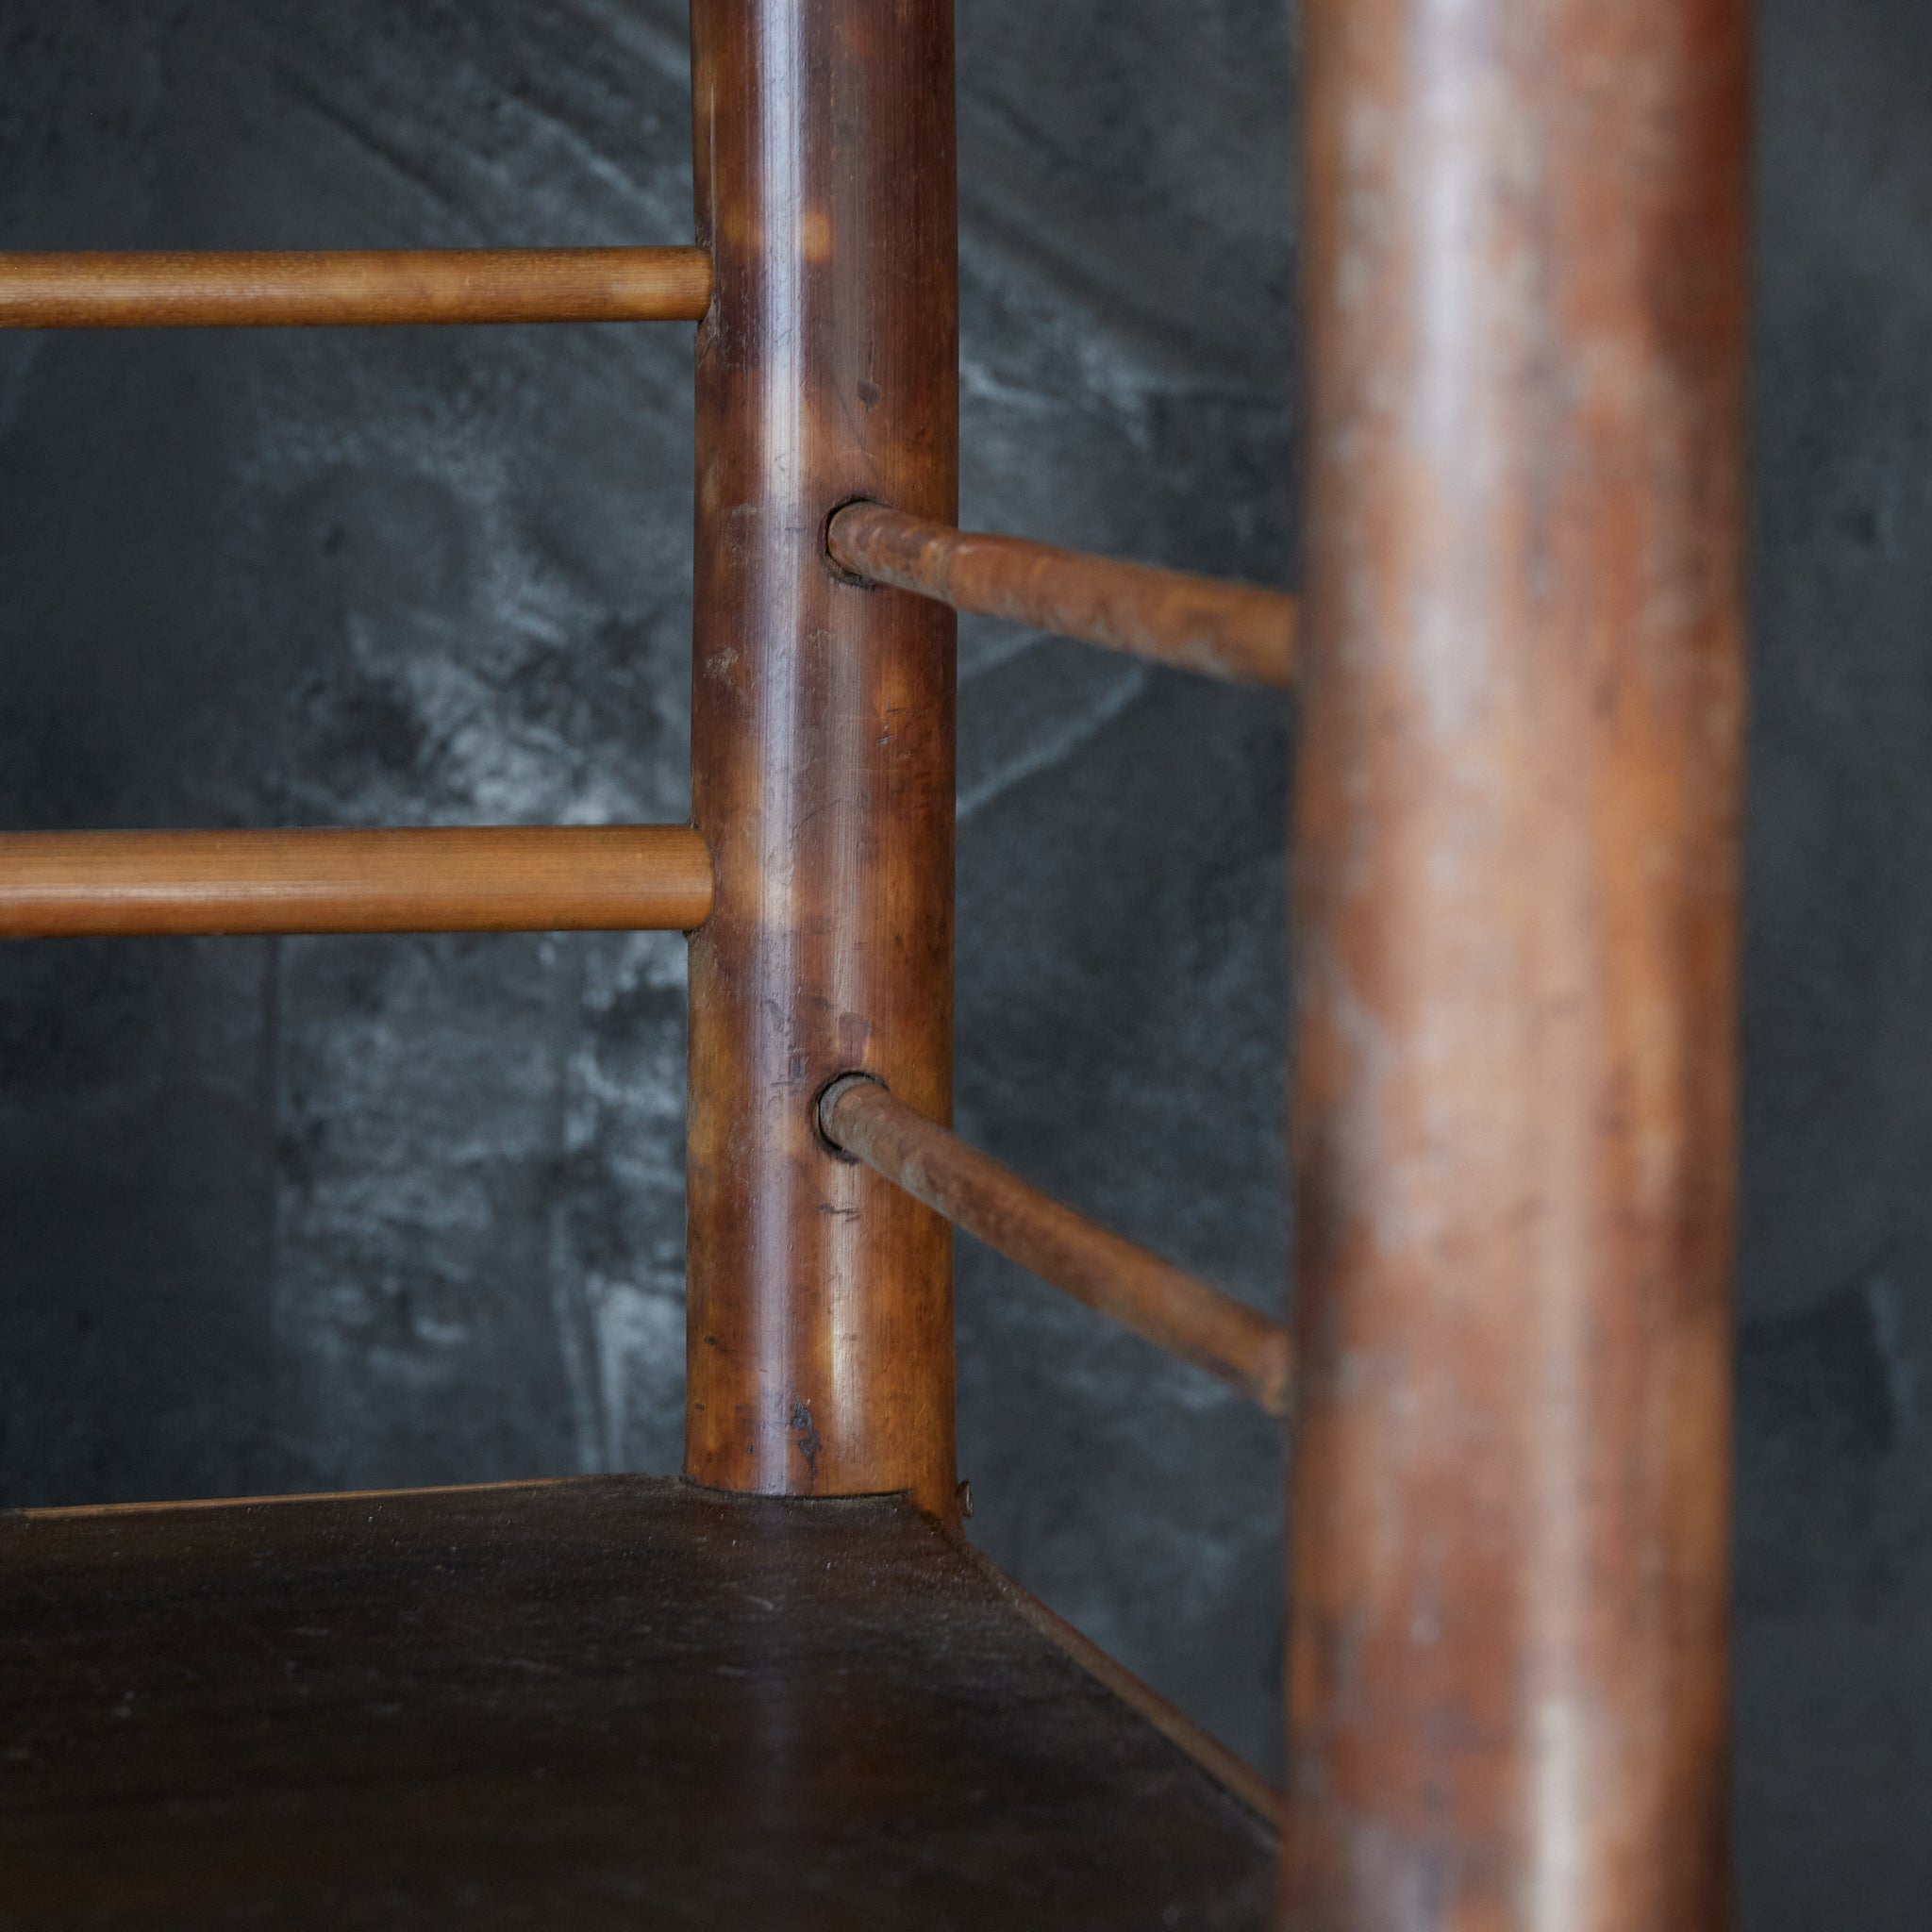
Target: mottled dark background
x=336 y=1212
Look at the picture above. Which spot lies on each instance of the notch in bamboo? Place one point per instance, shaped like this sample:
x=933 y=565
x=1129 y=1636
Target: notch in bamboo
x=553 y=879
x=1237 y=632
x=369 y=286
x=1159 y=1301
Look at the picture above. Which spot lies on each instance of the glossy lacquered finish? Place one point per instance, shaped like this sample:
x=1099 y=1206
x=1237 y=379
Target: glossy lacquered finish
x=495 y=878
x=386 y=286
x=820 y=1337
x=1517 y=883
x=605 y=1703
x=1138 y=1289
x=1236 y=631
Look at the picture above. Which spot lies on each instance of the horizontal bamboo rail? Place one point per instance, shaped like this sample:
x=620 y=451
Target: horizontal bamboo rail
x=1235 y=631
x=376 y=286
x=1157 y=1300
x=557 y=878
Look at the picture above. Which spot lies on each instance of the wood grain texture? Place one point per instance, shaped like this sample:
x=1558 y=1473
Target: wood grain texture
x=1240 y=632
x=349 y=287
x=439 y=879
x=1164 y=1303
x=609 y=1702
x=1516 y=900
x=820 y=1338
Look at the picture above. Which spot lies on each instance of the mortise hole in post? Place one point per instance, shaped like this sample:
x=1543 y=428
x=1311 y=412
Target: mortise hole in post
x=836 y=569
x=826 y=1098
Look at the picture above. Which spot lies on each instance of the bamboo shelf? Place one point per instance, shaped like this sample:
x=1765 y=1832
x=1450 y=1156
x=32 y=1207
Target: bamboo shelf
x=785 y=1692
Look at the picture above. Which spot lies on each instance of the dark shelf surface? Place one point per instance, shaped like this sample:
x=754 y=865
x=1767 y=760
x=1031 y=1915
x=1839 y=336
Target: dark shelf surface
x=610 y=1700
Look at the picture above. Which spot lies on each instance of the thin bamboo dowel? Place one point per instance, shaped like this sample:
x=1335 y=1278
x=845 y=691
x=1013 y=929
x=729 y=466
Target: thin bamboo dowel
x=557 y=878
x=367 y=286
x=1235 y=631
x=1158 y=1301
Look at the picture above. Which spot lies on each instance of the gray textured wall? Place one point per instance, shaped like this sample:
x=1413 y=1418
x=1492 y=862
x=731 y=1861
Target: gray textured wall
x=344 y=1212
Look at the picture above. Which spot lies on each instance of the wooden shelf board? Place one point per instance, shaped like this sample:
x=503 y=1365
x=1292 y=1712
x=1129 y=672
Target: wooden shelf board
x=606 y=1701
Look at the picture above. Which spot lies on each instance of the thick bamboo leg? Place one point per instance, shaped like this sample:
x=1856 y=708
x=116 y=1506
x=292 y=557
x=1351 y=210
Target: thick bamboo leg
x=1516 y=881
x=820 y=1338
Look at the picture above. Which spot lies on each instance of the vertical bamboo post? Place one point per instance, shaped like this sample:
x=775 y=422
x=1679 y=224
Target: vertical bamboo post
x=820 y=1341
x=1517 y=926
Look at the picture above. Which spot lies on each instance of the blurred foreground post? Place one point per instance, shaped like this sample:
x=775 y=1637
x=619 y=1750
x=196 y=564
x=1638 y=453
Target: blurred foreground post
x=1517 y=933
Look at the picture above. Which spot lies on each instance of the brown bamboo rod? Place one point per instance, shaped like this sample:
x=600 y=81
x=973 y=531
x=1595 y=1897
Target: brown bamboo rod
x=1158 y=1301
x=1240 y=632
x=57 y=885
x=367 y=286
x=819 y=1325
x=1517 y=910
